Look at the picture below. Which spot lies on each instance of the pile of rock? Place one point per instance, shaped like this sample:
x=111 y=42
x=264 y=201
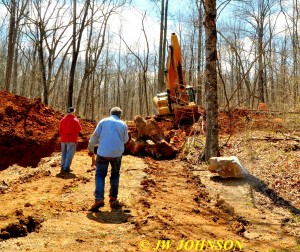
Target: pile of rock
x=153 y=138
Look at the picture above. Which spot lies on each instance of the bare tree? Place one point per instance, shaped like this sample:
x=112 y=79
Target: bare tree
x=162 y=44
x=97 y=24
x=144 y=66
x=294 y=28
x=210 y=78
x=17 y=11
x=296 y=50
x=41 y=61
x=255 y=13
x=48 y=36
x=76 y=42
x=199 y=54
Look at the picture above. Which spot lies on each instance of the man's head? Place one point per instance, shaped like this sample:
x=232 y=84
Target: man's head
x=70 y=110
x=116 y=111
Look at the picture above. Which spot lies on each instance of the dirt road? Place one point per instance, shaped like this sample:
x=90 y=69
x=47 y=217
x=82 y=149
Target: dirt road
x=170 y=206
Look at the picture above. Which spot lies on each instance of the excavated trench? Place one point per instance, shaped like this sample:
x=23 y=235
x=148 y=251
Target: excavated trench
x=24 y=152
x=29 y=131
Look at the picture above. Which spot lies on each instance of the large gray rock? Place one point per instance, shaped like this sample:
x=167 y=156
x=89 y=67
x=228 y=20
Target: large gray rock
x=227 y=167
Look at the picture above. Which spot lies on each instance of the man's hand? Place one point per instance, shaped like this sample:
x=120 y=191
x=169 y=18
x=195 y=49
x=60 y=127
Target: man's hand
x=90 y=153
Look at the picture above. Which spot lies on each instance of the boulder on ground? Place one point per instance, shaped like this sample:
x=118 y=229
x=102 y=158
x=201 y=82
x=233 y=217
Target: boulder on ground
x=154 y=138
x=148 y=137
x=227 y=167
x=161 y=150
x=135 y=146
x=175 y=137
x=147 y=129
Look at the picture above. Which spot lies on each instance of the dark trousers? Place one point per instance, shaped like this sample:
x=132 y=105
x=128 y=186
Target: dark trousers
x=102 y=164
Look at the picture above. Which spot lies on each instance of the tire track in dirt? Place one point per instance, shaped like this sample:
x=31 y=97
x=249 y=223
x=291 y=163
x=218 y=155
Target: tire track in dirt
x=183 y=205
x=175 y=207
x=165 y=201
x=266 y=226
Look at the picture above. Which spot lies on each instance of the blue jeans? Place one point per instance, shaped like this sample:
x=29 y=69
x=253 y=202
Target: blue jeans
x=101 y=172
x=67 y=153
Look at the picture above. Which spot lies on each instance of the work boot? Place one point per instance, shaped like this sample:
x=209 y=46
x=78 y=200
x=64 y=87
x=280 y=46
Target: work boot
x=115 y=204
x=97 y=205
x=65 y=171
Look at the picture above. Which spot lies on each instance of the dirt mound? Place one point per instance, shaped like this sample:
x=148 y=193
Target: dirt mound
x=22 y=228
x=240 y=120
x=29 y=131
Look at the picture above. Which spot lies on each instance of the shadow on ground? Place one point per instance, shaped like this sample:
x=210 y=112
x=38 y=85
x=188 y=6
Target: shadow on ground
x=111 y=217
x=259 y=186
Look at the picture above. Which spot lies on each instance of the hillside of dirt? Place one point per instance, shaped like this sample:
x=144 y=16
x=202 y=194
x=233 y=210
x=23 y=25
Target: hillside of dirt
x=29 y=131
x=170 y=205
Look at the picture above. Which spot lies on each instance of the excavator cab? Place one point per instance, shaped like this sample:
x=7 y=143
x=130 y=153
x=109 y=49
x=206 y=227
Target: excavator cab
x=179 y=98
x=191 y=93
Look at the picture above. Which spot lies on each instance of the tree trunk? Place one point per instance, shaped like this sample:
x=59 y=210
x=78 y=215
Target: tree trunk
x=140 y=81
x=260 y=65
x=164 y=44
x=74 y=60
x=11 y=45
x=105 y=90
x=295 y=50
x=118 y=99
x=42 y=66
x=161 y=48
x=14 y=77
x=92 y=97
x=199 y=55
x=211 y=88
x=76 y=48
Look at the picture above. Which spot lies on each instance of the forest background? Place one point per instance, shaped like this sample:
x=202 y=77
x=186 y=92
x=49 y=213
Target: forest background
x=97 y=54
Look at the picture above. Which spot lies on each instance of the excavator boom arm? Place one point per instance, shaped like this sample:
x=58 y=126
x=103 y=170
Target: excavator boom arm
x=175 y=80
x=179 y=100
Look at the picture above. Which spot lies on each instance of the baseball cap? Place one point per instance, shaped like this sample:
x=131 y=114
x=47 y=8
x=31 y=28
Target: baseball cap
x=70 y=110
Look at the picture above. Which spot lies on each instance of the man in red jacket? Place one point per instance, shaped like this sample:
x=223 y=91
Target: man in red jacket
x=69 y=128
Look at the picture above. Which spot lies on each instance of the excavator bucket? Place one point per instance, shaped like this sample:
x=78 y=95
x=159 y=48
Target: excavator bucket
x=188 y=114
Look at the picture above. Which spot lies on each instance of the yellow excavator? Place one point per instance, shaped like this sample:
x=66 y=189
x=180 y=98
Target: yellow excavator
x=179 y=98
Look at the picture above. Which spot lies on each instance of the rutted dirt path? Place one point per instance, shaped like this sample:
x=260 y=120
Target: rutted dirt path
x=175 y=209
x=169 y=204
x=172 y=205
x=266 y=227
x=62 y=203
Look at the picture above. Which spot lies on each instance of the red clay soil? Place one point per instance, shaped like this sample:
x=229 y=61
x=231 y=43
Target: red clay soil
x=29 y=131
x=166 y=201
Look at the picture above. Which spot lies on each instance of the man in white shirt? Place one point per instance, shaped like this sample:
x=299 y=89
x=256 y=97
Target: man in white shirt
x=111 y=134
